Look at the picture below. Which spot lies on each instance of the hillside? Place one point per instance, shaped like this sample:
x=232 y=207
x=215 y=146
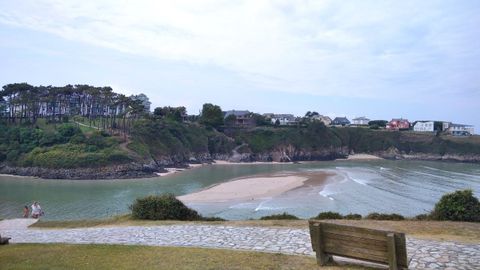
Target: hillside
x=72 y=150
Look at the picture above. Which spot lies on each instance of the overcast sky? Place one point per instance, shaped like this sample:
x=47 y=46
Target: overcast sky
x=380 y=59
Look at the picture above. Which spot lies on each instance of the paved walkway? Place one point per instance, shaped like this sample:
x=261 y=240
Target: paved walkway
x=421 y=253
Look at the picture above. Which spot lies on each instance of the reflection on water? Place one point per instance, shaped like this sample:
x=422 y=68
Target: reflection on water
x=405 y=187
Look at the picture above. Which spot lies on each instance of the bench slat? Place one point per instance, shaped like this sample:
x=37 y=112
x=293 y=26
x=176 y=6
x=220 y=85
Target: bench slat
x=355 y=241
x=356 y=253
x=355 y=231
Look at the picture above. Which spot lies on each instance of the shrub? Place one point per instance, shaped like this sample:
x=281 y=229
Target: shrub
x=78 y=138
x=68 y=130
x=162 y=207
x=284 y=215
x=328 y=215
x=212 y=219
x=377 y=216
x=422 y=217
x=460 y=205
x=353 y=216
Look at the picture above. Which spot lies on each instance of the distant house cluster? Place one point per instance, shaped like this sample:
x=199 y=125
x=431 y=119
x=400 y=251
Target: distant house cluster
x=244 y=118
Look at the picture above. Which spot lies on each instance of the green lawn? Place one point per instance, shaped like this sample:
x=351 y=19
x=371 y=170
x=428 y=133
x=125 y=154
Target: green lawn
x=61 y=256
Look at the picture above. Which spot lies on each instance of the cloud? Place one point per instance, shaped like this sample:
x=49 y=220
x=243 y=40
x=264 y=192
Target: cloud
x=375 y=49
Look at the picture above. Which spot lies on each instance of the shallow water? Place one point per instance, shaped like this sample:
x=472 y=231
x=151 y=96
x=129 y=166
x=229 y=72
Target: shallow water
x=405 y=187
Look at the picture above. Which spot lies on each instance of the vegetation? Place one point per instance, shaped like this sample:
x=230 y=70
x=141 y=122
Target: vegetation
x=282 y=216
x=460 y=205
x=353 y=216
x=377 y=216
x=81 y=126
x=211 y=116
x=65 y=146
x=24 y=103
x=162 y=207
x=329 y=215
x=157 y=138
x=62 y=256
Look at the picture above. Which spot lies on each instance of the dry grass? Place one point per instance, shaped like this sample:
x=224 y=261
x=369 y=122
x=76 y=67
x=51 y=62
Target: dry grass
x=466 y=232
x=61 y=256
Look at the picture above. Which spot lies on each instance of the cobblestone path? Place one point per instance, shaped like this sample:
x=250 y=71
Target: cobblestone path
x=422 y=254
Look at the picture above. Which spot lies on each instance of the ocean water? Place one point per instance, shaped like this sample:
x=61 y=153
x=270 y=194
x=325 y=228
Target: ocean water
x=405 y=187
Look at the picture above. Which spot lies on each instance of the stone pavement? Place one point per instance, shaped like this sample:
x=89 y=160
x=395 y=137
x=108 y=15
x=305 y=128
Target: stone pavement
x=422 y=254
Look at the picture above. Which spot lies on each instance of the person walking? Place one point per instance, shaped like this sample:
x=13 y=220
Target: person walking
x=36 y=210
x=26 y=211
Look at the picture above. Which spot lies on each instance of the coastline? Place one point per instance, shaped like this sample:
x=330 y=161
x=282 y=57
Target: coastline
x=138 y=170
x=256 y=187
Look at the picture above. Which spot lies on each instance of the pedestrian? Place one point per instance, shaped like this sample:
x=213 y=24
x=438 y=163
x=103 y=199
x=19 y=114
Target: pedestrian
x=36 y=210
x=26 y=211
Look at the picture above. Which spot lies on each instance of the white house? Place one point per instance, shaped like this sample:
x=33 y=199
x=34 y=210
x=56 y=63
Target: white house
x=283 y=119
x=460 y=130
x=424 y=126
x=360 y=121
x=323 y=118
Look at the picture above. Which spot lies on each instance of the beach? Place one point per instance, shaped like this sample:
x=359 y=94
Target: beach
x=257 y=187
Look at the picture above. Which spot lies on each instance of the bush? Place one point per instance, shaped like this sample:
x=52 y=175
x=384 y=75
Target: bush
x=377 y=216
x=284 y=215
x=460 y=205
x=329 y=215
x=162 y=207
x=422 y=217
x=68 y=130
x=353 y=216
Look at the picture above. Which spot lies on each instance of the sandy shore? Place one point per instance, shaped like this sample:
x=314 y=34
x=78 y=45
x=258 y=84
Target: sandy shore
x=362 y=157
x=254 y=188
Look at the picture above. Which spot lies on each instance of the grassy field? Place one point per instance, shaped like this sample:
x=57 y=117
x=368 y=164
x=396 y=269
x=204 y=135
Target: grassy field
x=466 y=232
x=60 y=256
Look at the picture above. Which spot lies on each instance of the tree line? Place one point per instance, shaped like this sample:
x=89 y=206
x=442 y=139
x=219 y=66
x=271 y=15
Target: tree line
x=25 y=103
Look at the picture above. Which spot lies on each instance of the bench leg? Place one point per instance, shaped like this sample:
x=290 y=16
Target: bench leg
x=392 y=253
x=318 y=245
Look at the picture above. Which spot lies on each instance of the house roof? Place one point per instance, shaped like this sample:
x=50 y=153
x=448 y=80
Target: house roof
x=236 y=113
x=399 y=119
x=341 y=119
x=361 y=118
x=283 y=116
x=460 y=125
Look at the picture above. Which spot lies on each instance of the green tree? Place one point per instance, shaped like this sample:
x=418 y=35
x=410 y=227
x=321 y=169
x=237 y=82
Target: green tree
x=460 y=205
x=171 y=113
x=378 y=123
x=230 y=120
x=211 y=115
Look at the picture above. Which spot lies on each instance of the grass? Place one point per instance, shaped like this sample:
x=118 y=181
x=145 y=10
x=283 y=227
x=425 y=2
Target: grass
x=62 y=256
x=466 y=232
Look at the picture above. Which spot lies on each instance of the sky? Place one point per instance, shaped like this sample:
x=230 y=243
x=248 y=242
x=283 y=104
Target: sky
x=418 y=60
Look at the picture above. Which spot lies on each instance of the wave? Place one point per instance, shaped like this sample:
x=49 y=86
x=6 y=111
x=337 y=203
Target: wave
x=468 y=176
x=262 y=207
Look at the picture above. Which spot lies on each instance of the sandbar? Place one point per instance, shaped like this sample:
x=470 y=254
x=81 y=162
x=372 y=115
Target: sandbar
x=257 y=187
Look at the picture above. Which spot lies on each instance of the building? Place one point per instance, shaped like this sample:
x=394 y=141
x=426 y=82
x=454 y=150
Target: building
x=340 y=121
x=283 y=119
x=398 y=124
x=424 y=126
x=360 y=121
x=242 y=118
x=323 y=118
x=460 y=130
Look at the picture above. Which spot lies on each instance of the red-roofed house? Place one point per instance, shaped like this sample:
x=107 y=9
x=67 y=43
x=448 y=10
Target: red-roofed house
x=398 y=124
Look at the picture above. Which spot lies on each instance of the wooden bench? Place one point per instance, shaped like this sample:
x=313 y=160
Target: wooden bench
x=4 y=240
x=371 y=245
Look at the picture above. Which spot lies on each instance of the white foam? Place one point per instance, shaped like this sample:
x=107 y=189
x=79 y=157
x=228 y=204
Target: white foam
x=262 y=207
